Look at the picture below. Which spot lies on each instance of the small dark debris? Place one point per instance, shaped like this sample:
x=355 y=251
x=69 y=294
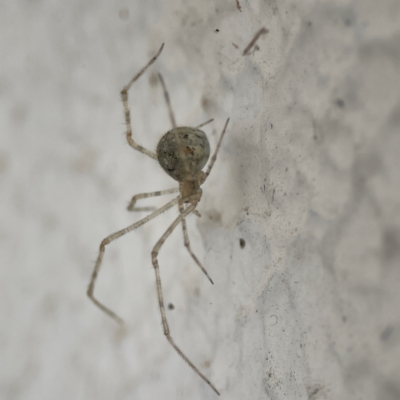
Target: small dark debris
x=123 y=14
x=340 y=103
x=348 y=22
x=242 y=243
x=391 y=244
x=171 y=306
x=253 y=41
x=217 y=30
x=312 y=394
x=386 y=333
x=309 y=23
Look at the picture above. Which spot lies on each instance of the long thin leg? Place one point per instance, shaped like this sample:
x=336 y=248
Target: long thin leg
x=169 y=106
x=204 y=123
x=131 y=206
x=110 y=239
x=154 y=255
x=124 y=95
x=167 y=100
x=214 y=157
x=187 y=244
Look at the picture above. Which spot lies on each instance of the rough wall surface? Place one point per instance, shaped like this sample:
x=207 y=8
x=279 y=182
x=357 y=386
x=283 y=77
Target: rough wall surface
x=300 y=226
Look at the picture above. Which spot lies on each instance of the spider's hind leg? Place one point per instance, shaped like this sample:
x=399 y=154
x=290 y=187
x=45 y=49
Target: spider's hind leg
x=154 y=258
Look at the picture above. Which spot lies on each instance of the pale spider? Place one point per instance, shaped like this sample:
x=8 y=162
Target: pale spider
x=182 y=152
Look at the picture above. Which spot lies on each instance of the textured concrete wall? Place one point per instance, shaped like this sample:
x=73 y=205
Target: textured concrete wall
x=300 y=225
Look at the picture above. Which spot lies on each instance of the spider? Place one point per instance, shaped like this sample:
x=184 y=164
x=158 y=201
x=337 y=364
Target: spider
x=182 y=153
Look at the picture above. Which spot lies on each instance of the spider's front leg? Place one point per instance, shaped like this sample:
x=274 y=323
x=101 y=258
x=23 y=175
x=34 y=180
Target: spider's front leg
x=127 y=113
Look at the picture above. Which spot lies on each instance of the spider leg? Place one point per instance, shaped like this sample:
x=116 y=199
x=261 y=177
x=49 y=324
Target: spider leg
x=204 y=123
x=196 y=213
x=187 y=244
x=110 y=239
x=166 y=330
x=167 y=101
x=131 y=206
x=124 y=95
x=214 y=157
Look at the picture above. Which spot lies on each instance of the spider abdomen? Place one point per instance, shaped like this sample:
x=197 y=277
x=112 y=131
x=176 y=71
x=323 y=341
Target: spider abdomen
x=183 y=152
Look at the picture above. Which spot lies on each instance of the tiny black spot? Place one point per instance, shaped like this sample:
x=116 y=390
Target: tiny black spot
x=391 y=244
x=340 y=103
x=123 y=14
x=348 y=22
x=385 y=335
x=170 y=306
x=185 y=136
x=242 y=243
x=217 y=30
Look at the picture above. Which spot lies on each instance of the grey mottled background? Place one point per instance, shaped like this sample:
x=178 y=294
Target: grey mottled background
x=308 y=177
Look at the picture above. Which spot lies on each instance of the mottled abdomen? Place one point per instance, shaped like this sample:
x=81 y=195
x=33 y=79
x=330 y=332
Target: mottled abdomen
x=183 y=152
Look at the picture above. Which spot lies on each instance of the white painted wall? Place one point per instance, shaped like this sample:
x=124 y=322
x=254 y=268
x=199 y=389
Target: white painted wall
x=307 y=176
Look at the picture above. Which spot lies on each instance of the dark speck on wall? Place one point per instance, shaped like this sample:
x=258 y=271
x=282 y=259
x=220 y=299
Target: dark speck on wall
x=340 y=103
